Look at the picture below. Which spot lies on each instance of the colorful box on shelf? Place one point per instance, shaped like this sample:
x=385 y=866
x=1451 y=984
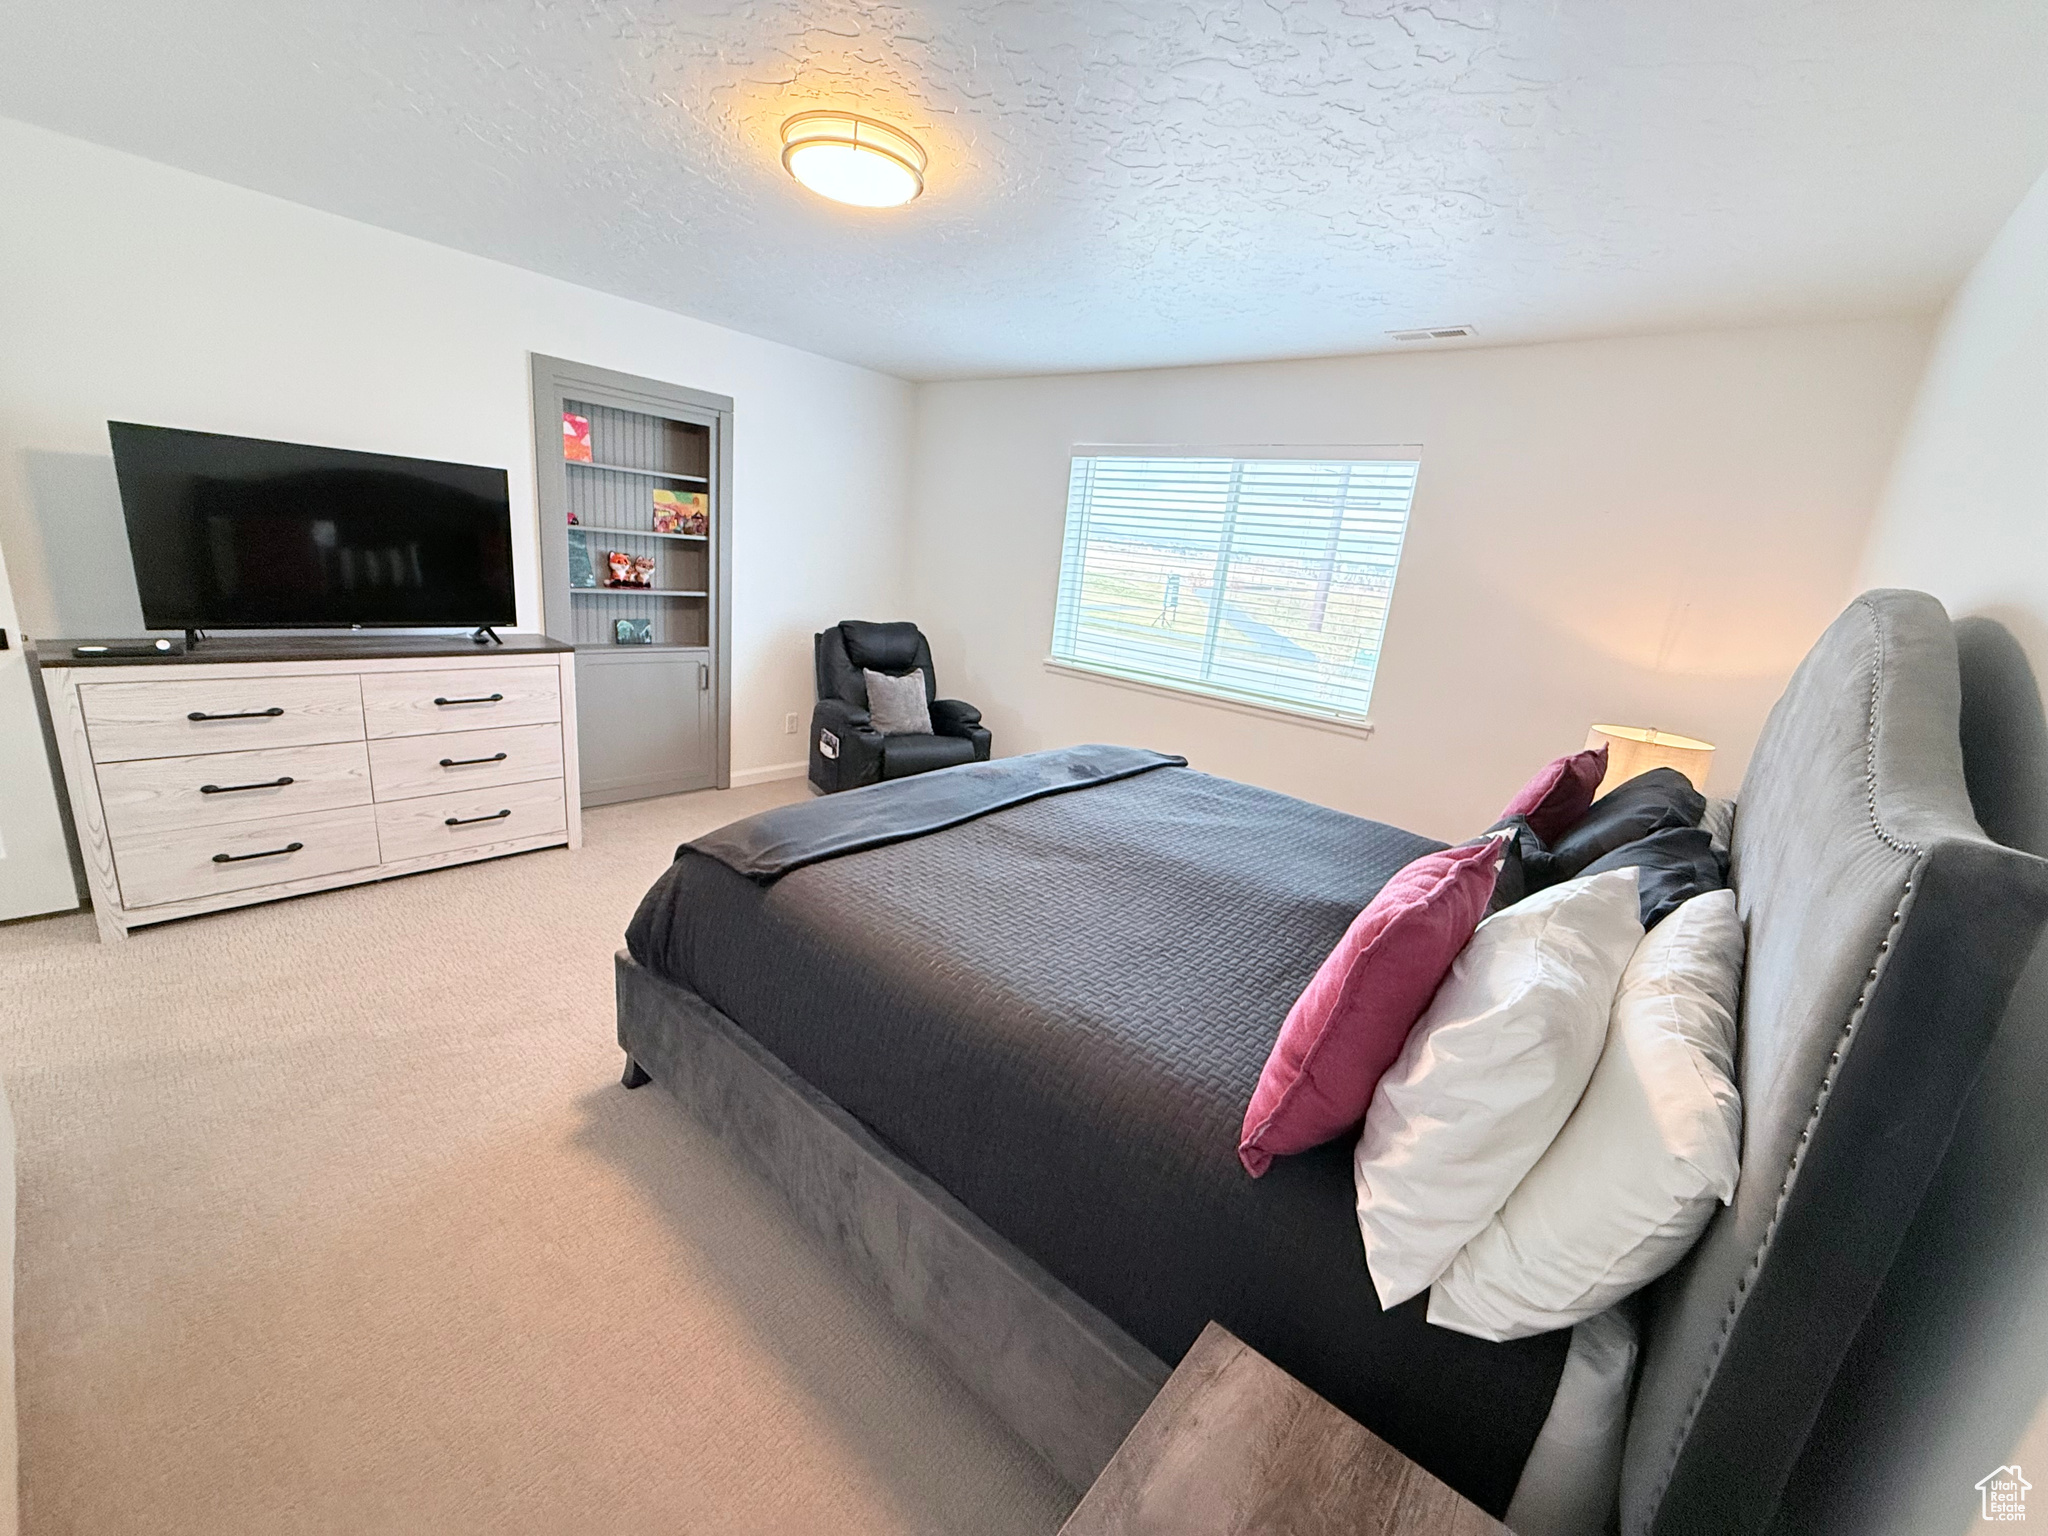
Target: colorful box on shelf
x=682 y=512
x=575 y=438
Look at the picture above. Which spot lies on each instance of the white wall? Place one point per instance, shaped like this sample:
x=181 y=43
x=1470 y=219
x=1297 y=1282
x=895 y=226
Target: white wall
x=1965 y=516
x=135 y=292
x=1966 y=513
x=1647 y=530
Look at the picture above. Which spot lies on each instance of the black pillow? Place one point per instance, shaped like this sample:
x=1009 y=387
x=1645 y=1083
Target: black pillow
x=1526 y=865
x=1672 y=867
x=1650 y=802
x=1511 y=883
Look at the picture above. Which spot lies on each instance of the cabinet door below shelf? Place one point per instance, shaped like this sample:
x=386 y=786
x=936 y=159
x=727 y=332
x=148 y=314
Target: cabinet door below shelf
x=645 y=724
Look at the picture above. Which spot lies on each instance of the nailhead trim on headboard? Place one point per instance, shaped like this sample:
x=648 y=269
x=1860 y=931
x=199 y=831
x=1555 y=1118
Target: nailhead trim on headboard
x=1896 y=844
x=1827 y=1082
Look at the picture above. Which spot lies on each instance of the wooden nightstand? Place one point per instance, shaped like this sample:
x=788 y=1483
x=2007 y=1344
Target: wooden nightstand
x=1233 y=1446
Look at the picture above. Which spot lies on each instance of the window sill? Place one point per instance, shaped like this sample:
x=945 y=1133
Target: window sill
x=1362 y=729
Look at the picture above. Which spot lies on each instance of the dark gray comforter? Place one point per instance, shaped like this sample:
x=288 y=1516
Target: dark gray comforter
x=1059 y=1011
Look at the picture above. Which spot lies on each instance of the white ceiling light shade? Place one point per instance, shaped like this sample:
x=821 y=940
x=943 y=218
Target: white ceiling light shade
x=853 y=159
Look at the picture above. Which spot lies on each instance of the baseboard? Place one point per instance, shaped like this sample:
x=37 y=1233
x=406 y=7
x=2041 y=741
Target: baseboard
x=742 y=777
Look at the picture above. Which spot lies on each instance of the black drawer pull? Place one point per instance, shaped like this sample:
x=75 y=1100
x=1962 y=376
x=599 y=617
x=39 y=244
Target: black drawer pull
x=464 y=762
x=268 y=853
x=496 y=698
x=463 y=821
x=240 y=714
x=230 y=789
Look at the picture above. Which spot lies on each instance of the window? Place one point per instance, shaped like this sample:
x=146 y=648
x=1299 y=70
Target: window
x=1263 y=580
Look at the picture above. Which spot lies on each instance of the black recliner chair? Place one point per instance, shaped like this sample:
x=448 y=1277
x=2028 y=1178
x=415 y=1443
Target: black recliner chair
x=846 y=749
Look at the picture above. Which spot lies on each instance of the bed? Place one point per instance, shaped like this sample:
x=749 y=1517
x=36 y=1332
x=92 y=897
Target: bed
x=998 y=1051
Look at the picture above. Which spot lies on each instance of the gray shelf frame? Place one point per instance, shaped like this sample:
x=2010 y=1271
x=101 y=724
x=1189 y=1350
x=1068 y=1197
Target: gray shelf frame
x=557 y=380
x=640 y=592
x=627 y=469
x=634 y=533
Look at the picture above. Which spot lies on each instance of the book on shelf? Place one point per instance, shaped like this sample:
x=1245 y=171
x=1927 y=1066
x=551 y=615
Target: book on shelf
x=682 y=512
x=575 y=438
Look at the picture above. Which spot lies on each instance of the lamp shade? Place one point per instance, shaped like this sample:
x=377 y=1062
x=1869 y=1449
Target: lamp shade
x=1634 y=749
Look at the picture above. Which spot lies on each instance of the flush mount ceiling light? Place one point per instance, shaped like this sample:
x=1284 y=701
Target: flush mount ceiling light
x=853 y=159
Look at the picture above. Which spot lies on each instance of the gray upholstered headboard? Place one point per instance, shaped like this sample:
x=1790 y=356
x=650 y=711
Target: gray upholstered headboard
x=1886 y=932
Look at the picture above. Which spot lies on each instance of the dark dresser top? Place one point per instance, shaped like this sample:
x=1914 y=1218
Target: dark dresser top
x=247 y=648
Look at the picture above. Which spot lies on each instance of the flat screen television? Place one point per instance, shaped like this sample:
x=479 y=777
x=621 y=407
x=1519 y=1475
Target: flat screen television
x=239 y=533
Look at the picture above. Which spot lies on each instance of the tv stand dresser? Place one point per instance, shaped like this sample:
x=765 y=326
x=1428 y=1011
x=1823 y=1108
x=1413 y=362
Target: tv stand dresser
x=246 y=769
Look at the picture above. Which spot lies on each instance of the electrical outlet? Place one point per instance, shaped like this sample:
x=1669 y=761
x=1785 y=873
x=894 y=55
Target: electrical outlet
x=789 y=725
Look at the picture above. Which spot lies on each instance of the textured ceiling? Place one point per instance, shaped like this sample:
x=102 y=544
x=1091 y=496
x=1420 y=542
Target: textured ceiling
x=1113 y=184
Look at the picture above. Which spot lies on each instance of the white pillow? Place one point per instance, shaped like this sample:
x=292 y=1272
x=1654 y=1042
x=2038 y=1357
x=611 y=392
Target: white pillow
x=1636 y=1172
x=1488 y=1075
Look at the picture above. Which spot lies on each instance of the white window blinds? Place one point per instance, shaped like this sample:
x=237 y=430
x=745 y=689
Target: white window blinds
x=1263 y=580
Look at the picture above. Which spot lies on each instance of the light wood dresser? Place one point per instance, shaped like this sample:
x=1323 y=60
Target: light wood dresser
x=249 y=770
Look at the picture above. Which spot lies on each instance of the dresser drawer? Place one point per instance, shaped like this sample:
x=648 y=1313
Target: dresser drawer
x=423 y=703
x=178 y=718
x=411 y=829
x=405 y=766
x=163 y=793
x=181 y=864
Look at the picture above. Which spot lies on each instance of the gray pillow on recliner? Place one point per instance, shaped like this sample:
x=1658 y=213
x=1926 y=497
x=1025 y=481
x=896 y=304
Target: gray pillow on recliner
x=897 y=705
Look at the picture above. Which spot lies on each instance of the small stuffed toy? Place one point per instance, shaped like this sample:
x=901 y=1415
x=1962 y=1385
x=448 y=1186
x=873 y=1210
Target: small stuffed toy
x=623 y=570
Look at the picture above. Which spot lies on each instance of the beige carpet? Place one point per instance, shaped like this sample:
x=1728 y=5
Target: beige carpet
x=334 y=1218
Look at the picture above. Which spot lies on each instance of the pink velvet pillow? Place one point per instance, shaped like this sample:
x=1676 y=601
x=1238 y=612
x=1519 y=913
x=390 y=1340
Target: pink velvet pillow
x=1352 y=1019
x=1558 y=797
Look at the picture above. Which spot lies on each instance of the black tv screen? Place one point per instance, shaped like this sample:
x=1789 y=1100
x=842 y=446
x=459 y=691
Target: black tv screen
x=239 y=533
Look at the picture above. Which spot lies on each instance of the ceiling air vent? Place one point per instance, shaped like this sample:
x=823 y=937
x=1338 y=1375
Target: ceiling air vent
x=1435 y=333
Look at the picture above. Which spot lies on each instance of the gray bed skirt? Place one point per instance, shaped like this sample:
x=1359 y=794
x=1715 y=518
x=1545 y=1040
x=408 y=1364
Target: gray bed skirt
x=1064 y=1378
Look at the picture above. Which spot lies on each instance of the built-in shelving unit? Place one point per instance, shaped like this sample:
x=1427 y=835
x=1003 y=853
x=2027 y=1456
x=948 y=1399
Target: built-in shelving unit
x=610 y=509
x=644 y=437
